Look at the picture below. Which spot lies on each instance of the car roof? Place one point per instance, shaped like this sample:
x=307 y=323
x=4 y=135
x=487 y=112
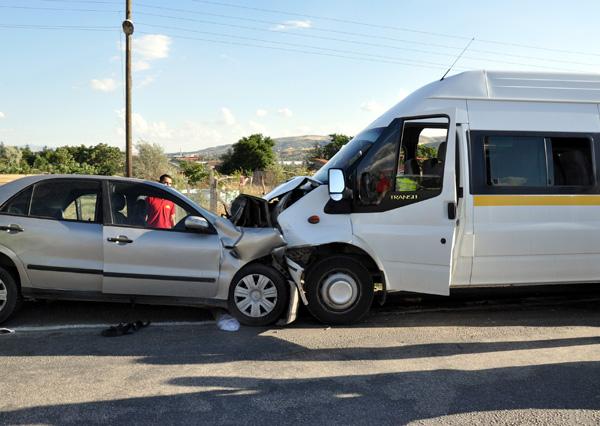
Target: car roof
x=9 y=189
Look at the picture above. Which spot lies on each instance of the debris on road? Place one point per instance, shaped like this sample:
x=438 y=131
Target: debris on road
x=124 y=328
x=225 y=322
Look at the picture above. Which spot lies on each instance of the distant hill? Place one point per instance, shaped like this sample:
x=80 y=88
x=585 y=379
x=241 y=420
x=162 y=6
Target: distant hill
x=288 y=148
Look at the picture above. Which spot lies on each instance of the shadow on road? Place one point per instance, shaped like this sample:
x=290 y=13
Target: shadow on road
x=392 y=398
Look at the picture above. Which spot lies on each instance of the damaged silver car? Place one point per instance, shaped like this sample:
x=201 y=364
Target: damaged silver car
x=126 y=240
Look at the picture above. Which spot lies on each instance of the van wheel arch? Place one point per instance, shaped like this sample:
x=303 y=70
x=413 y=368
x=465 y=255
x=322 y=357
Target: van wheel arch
x=359 y=254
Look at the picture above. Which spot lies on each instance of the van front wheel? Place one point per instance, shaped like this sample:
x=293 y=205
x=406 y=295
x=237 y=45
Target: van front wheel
x=339 y=290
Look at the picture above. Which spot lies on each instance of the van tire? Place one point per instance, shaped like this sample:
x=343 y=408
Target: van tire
x=11 y=303
x=277 y=292
x=339 y=290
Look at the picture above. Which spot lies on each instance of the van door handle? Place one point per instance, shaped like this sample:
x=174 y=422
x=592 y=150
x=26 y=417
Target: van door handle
x=119 y=239
x=451 y=210
x=13 y=227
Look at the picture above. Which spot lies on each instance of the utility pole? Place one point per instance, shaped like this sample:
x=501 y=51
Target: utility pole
x=128 y=30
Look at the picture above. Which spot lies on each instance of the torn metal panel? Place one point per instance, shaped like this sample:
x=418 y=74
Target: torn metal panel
x=258 y=242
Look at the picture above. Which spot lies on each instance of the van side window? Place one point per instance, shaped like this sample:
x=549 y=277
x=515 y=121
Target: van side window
x=376 y=172
x=515 y=161
x=422 y=157
x=572 y=162
x=531 y=163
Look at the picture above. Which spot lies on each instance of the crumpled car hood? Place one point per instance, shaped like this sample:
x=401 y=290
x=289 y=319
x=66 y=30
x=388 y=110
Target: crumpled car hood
x=289 y=186
x=248 y=243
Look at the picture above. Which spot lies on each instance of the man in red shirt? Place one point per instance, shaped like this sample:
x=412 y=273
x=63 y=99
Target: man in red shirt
x=160 y=213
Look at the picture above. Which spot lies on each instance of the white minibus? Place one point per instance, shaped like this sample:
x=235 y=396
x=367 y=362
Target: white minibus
x=480 y=179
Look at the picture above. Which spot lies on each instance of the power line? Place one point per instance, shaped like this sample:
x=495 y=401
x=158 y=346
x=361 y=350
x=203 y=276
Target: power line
x=397 y=28
x=298 y=51
x=57 y=27
x=354 y=34
x=59 y=9
x=304 y=46
x=327 y=18
x=338 y=50
x=85 y=1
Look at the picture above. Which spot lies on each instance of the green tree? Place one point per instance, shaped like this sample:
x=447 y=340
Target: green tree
x=10 y=159
x=337 y=142
x=150 y=161
x=194 y=172
x=254 y=152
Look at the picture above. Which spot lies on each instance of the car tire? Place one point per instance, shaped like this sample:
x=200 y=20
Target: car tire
x=258 y=295
x=339 y=290
x=10 y=297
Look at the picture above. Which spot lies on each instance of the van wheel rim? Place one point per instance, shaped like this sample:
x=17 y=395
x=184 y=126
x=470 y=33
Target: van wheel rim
x=255 y=295
x=339 y=291
x=3 y=295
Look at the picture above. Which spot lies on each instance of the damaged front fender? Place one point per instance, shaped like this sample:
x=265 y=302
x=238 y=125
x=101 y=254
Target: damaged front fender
x=258 y=242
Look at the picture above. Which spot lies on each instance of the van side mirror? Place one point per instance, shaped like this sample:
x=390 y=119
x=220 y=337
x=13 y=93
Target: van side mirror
x=196 y=223
x=337 y=184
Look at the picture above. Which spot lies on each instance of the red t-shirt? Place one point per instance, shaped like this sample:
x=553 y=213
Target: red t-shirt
x=159 y=213
x=383 y=184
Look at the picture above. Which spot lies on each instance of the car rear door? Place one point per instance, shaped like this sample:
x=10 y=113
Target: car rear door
x=141 y=258
x=55 y=228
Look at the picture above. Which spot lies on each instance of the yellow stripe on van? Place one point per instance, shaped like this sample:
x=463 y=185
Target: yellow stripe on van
x=536 y=200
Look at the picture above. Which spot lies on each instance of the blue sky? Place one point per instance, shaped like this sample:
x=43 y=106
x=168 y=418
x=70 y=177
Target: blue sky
x=213 y=71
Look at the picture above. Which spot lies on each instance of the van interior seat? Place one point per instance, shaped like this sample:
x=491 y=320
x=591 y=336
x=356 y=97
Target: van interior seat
x=575 y=168
x=411 y=167
x=438 y=167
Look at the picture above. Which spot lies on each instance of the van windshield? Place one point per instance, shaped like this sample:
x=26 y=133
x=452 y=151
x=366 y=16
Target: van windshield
x=349 y=153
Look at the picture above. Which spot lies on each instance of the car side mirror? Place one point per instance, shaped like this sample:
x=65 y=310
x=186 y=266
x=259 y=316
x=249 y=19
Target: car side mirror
x=196 y=223
x=337 y=184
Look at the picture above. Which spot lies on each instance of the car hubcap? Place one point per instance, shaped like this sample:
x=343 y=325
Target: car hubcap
x=255 y=295
x=339 y=291
x=3 y=295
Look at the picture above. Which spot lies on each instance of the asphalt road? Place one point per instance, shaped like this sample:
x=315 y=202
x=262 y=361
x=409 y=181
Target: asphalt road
x=532 y=360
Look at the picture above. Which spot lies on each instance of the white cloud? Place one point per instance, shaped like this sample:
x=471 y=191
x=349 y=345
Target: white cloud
x=144 y=129
x=286 y=112
x=152 y=46
x=257 y=127
x=286 y=25
x=103 y=84
x=261 y=112
x=140 y=65
x=227 y=116
x=371 y=106
x=2 y=115
x=146 y=81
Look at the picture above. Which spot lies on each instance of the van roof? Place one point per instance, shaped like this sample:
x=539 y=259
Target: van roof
x=518 y=86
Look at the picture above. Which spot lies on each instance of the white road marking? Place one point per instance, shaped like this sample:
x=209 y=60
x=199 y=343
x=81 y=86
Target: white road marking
x=92 y=326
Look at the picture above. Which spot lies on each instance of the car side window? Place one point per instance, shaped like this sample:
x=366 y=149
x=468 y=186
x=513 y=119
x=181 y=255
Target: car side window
x=19 y=204
x=145 y=206
x=71 y=200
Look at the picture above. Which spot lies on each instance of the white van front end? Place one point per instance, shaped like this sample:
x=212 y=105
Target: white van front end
x=466 y=182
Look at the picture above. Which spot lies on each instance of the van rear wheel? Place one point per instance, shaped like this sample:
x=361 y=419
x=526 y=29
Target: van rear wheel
x=339 y=290
x=10 y=299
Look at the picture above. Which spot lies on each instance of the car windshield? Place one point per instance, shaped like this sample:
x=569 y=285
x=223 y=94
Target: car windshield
x=349 y=153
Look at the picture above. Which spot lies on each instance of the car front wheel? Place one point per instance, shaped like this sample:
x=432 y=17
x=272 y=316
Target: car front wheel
x=339 y=290
x=258 y=295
